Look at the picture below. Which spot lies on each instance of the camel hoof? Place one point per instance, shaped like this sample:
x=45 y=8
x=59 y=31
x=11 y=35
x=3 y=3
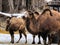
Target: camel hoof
x=33 y=42
x=17 y=42
x=25 y=42
x=12 y=42
x=39 y=42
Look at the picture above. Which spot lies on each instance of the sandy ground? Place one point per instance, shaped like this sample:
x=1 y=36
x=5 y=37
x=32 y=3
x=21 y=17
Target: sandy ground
x=5 y=39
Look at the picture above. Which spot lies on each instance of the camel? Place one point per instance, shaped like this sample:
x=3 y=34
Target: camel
x=16 y=24
x=33 y=25
x=50 y=25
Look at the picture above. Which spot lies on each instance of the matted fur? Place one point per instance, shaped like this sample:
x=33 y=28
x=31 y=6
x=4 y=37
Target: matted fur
x=50 y=23
x=18 y=23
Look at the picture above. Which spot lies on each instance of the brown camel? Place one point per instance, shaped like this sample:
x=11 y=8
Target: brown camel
x=33 y=25
x=16 y=24
x=51 y=26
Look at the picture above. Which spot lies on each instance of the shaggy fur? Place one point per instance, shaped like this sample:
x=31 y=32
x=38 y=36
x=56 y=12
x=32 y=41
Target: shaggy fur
x=50 y=24
x=33 y=24
x=41 y=19
x=16 y=24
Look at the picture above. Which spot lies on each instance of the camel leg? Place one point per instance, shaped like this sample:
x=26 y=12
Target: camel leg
x=25 y=36
x=39 y=39
x=33 y=39
x=49 y=39
x=20 y=33
x=59 y=42
x=55 y=39
x=12 y=36
x=44 y=40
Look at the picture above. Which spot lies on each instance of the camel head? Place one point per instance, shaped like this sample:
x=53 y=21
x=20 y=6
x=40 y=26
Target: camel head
x=36 y=15
x=8 y=22
x=30 y=15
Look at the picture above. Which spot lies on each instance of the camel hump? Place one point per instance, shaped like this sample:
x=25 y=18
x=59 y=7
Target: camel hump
x=15 y=20
x=46 y=11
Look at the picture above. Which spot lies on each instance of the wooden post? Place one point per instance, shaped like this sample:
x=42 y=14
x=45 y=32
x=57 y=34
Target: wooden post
x=11 y=6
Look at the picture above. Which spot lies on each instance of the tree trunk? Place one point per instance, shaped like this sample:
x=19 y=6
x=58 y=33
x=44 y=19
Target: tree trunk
x=11 y=5
x=0 y=5
x=28 y=4
x=17 y=5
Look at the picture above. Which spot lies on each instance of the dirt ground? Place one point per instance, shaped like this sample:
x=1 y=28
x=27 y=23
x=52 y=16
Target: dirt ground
x=6 y=32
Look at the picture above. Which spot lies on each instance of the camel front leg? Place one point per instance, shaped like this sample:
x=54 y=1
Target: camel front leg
x=12 y=36
x=25 y=36
x=33 y=39
x=39 y=39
